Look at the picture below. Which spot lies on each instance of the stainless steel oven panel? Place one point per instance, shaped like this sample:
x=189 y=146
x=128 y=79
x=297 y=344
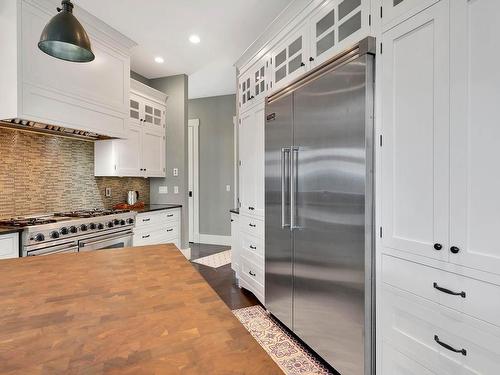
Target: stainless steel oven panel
x=116 y=240
x=69 y=247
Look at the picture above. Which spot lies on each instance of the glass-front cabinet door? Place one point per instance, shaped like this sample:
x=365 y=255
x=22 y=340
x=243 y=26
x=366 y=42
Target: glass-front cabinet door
x=336 y=26
x=395 y=11
x=259 y=79
x=154 y=116
x=135 y=109
x=289 y=59
x=245 y=90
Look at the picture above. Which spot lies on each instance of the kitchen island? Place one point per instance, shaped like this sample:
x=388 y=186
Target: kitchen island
x=136 y=310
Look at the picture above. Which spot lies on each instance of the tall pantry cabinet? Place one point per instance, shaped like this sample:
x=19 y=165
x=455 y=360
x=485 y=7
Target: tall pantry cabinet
x=438 y=267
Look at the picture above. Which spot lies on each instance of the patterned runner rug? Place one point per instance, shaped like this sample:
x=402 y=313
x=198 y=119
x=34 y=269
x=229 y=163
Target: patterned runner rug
x=215 y=260
x=285 y=350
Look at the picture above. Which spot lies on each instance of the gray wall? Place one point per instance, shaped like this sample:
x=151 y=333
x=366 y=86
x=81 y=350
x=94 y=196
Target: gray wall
x=216 y=165
x=176 y=87
x=140 y=78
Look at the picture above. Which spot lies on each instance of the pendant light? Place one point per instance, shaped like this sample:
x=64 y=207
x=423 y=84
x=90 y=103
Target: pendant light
x=65 y=38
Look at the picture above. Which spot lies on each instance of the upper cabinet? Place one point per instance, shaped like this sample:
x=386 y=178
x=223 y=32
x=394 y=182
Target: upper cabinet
x=142 y=152
x=36 y=87
x=321 y=34
x=395 y=11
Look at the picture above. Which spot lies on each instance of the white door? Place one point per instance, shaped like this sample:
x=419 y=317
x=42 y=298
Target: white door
x=193 y=175
x=475 y=134
x=247 y=138
x=415 y=118
x=129 y=153
x=153 y=154
x=259 y=159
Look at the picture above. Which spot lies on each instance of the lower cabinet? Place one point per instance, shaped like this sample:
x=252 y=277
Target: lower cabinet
x=158 y=227
x=9 y=246
x=251 y=256
x=235 y=244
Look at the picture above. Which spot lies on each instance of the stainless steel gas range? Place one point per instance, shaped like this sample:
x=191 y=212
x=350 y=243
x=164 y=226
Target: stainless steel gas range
x=75 y=231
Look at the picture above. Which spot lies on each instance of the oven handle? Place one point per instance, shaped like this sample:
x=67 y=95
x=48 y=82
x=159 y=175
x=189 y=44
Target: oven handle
x=53 y=250
x=107 y=238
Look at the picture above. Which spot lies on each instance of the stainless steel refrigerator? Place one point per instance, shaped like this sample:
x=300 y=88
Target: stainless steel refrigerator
x=319 y=210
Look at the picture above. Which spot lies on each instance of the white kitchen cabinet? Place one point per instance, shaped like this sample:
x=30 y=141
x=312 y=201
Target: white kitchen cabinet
x=289 y=58
x=415 y=120
x=245 y=91
x=251 y=154
x=92 y=97
x=158 y=227
x=335 y=26
x=395 y=11
x=475 y=135
x=142 y=152
x=9 y=246
x=396 y=363
x=253 y=85
x=235 y=243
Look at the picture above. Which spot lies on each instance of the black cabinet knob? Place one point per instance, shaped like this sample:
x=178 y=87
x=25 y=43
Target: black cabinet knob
x=438 y=246
x=311 y=59
x=454 y=250
x=302 y=64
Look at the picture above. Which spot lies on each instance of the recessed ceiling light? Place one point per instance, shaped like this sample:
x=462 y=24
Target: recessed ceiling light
x=159 y=60
x=195 y=39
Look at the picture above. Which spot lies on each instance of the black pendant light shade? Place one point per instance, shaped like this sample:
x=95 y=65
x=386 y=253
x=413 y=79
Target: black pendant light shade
x=65 y=38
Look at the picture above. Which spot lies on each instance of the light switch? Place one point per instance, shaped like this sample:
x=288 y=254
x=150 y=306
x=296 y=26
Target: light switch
x=176 y=189
x=228 y=187
x=163 y=190
x=107 y=192
x=176 y=172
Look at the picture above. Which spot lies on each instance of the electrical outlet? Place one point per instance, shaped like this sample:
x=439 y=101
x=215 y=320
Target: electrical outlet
x=107 y=192
x=176 y=189
x=163 y=190
x=228 y=187
x=176 y=172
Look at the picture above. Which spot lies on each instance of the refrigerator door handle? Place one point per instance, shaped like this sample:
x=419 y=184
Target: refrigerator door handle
x=293 y=186
x=284 y=164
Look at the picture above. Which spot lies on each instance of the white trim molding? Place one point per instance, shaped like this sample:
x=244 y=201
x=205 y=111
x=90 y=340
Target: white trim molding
x=195 y=124
x=186 y=253
x=211 y=239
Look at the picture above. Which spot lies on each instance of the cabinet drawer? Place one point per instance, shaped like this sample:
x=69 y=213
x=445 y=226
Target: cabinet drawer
x=9 y=246
x=396 y=363
x=480 y=299
x=169 y=234
x=252 y=245
x=252 y=271
x=157 y=218
x=421 y=329
x=252 y=226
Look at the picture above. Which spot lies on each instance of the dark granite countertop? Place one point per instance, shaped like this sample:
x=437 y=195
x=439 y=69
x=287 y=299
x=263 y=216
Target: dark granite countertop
x=157 y=207
x=8 y=230
x=235 y=210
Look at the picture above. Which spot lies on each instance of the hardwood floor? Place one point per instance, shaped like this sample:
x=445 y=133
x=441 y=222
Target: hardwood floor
x=222 y=279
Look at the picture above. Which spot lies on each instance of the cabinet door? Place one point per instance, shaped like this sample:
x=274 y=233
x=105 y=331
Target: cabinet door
x=129 y=152
x=245 y=93
x=336 y=26
x=247 y=162
x=415 y=120
x=394 y=11
x=259 y=79
x=154 y=115
x=153 y=154
x=290 y=58
x=475 y=134
x=135 y=109
x=259 y=159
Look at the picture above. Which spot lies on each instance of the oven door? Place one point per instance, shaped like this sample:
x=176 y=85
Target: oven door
x=69 y=247
x=110 y=241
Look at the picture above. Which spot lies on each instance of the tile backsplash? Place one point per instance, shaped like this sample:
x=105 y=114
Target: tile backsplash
x=43 y=174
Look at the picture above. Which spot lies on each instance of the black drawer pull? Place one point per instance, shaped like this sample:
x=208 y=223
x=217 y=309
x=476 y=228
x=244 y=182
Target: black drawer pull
x=251 y=208
x=252 y=225
x=171 y=215
x=252 y=274
x=169 y=230
x=146 y=219
x=454 y=250
x=447 y=291
x=253 y=247
x=450 y=348
x=146 y=236
x=438 y=246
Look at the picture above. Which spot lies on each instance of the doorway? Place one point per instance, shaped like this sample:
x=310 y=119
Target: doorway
x=193 y=180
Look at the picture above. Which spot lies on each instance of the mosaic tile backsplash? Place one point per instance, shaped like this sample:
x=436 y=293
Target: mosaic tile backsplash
x=44 y=174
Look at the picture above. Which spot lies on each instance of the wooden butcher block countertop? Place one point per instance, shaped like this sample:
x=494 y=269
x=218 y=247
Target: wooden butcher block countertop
x=141 y=310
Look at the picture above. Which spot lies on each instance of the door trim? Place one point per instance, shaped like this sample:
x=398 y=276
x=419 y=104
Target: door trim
x=195 y=124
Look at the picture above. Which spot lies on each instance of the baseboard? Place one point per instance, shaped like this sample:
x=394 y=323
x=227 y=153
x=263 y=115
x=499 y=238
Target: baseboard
x=186 y=253
x=211 y=239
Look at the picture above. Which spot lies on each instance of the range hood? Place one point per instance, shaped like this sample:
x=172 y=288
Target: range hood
x=60 y=131
x=42 y=94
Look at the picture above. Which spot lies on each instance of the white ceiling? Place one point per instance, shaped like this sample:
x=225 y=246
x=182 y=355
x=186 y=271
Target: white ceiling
x=162 y=28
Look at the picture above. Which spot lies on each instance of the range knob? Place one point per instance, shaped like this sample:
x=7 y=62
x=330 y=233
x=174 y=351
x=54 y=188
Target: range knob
x=39 y=237
x=110 y=224
x=92 y=226
x=116 y=222
x=130 y=221
x=122 y=222
x=54 y=234
x=84 y=227
x=64 y=230
x=100 y=226
x=73 y=230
